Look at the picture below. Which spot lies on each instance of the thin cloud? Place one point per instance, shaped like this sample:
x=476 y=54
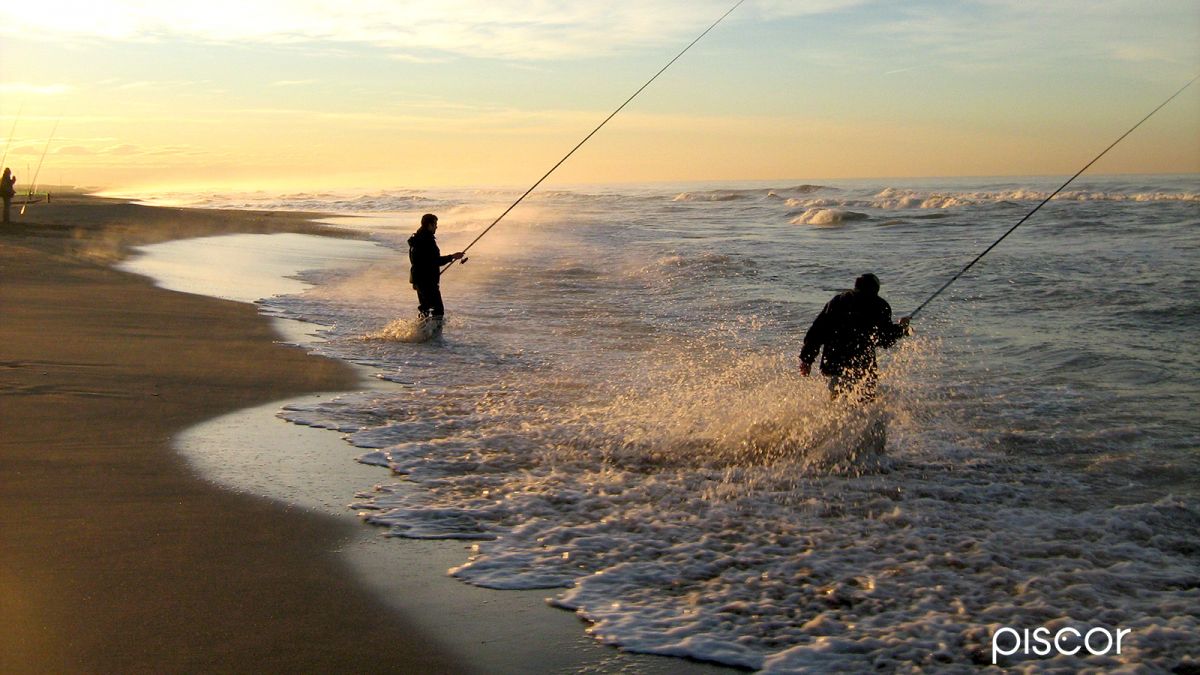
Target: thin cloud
x=120 y=85
x=1141 y=54
x=990 y=34
x=32 y=149
x=73 y=150
x=123 y=149
x=27 y=89
x=104 y=147
x=79 y=150
x=418 y=31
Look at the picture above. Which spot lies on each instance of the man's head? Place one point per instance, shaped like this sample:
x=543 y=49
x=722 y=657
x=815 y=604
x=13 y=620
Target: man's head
x=867 y=284
x=429 y=222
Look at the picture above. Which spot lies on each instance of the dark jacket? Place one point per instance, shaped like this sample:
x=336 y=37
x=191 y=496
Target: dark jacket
x=849 y=329
x=426 y=259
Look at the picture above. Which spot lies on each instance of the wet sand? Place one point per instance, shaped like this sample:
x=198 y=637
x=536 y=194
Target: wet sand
x=114 y=555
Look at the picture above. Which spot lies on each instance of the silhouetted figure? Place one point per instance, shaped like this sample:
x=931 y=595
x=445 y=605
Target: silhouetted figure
x=427 y=261
x=849 y=329
x=8 y=190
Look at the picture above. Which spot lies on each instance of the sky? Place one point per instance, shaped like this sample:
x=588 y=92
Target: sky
x=300 y=94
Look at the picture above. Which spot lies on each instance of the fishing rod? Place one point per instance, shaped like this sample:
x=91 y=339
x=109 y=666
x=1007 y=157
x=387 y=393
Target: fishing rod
x=593 y=133
x=1047 y=199
x=12 y=134
x=33 y=183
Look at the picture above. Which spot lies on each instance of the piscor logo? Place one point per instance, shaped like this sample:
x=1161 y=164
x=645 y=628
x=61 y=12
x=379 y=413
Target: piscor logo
x=1067 y=641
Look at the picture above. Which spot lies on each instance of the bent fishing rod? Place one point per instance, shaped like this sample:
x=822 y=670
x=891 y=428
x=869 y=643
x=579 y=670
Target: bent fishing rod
x=1047 y=199
x=593 y=133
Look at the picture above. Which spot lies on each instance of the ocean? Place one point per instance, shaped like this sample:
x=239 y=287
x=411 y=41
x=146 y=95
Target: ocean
x=615 y=412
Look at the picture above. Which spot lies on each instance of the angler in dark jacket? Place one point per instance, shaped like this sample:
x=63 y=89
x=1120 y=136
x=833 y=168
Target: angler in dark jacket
x=849 y=329
x=8 y=191
x=427 y=261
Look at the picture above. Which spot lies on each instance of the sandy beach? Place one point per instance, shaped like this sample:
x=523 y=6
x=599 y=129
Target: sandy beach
x=116 y=556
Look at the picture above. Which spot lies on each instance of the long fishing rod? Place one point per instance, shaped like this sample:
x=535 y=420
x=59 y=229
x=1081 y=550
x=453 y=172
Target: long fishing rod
x=593 y=133
x=1047 y=199
x=12 y=134
x=33 y=183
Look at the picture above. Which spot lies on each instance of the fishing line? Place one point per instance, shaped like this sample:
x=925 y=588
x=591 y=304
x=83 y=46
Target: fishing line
x=1047 y=199
x=593 y=133
x=33 y=183
x=12 y=134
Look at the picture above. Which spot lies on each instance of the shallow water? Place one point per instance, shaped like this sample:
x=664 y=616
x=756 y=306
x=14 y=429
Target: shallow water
x=614 y=410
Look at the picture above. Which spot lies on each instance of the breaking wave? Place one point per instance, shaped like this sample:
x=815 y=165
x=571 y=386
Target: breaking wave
x=759 y=193
x=822 y=216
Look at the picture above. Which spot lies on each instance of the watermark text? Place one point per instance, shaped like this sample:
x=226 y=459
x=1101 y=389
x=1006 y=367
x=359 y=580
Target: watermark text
x=1097 y=641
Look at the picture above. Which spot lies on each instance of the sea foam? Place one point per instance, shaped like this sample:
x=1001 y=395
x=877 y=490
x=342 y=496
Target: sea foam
x=615 y=413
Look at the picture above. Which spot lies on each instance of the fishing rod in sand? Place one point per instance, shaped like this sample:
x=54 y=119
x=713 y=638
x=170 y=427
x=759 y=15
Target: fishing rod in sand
x=593 y=133
x=33 y=183
x=1047 y=199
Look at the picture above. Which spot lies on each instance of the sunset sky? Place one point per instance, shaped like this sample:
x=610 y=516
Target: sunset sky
x=376 y=94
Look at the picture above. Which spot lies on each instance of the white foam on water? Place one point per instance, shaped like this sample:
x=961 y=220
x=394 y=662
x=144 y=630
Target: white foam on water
x=822 y=216
x=709 y=512
x=614 y=412
x=417 y=329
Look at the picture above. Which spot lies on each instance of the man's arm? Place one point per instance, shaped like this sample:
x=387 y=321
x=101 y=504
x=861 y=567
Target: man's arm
x=813 y=339
x=889 y=333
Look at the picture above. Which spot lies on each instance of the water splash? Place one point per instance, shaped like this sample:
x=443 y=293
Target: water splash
x=592 y=426
x=414 y=330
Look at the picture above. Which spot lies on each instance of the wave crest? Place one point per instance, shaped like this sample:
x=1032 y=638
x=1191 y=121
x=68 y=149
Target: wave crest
x=735 y=194
x=826 y=217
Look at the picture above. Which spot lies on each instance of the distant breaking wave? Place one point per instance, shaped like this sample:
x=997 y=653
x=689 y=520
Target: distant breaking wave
x=811 y=208
x=798 y=199
x=732 y=195
x=818 y=216
x=892 y=198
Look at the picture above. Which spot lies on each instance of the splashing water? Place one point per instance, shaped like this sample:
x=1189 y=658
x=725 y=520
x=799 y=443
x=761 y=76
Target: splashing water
x=615 y=411
x=420 y=329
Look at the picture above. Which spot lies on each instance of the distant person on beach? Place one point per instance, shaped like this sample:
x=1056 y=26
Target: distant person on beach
x=849 y=329
x=427 y=261
x=8 y=190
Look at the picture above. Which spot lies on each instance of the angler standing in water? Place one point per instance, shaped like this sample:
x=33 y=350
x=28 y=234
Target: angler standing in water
x=849 y=329
x=427 y=261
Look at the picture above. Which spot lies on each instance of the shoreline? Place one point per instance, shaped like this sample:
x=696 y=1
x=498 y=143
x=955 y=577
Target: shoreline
x=116 y=556
x=254 y=451
x=495 y=631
